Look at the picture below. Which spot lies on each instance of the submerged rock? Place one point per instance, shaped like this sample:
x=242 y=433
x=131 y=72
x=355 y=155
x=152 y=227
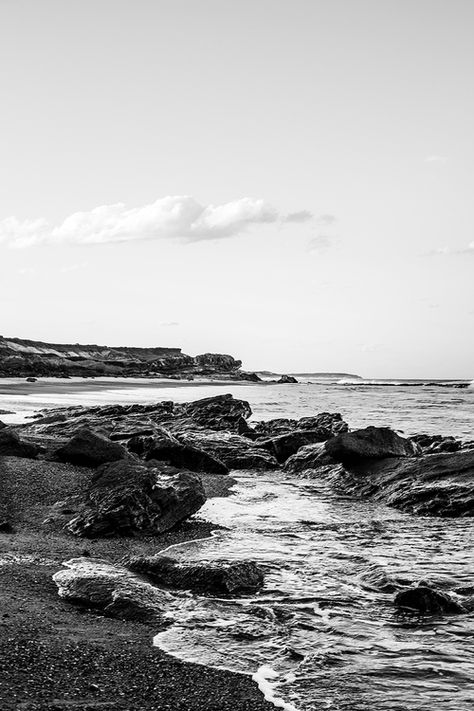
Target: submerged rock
x=90 y=449
x=112 y=589
x=163 y=446
x=235 y=451
x=125 y=498
x=12 y=446
x=425 y=600
x=213 y=577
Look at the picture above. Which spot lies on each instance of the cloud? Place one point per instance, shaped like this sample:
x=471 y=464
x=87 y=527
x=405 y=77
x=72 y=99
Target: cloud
x=172 y=217
x=169 y=324
x=301 y=216
x=326 y=220
x=319 y=244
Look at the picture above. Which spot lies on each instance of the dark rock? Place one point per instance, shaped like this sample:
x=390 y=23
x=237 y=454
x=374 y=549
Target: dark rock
x=331 y=421
x=2 y=425
x=431 y=444
x=216 y=577
x=369 y=443
x=250 y=377
x=90 y=449
x=235 y=451
x=425 y=600
x=12 y=446
x=311 y=456
x=162 y=446
x=432 y=484
x=217 y=362
x=286 y=379
x=221 y=412
x=6 y=527
x=285 y=445
x=125 y=498
x=112 y=589
x=31 y=380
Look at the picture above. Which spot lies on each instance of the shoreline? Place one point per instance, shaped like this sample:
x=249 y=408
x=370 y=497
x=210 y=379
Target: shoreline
x=56 y=655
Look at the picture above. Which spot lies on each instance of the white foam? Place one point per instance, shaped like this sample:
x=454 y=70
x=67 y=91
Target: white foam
x=262 y=678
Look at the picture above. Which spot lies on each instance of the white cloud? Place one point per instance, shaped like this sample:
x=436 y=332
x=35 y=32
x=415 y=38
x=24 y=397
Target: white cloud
x=169 y=324
x=446 y=251
x=173 y=217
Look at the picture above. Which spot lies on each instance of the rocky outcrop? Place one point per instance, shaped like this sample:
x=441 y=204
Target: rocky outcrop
x=286 y=379
x=427 y=601
x=235 y=451
x=90 y=449
x=332 y=422
x=163 y=446
x=11 y=445
x=217 y=577
x=125 y=498
x=111 y=589
x=31 y=359
x=369 y=444
x=221 y=412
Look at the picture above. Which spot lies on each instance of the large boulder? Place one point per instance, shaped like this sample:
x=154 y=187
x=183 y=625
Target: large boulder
x=11 y=445
x=221 y=412
x=369 y=443
x=112 y=589
x=90 y=449
x=427 y=601
x=351 y=447
x=125 y=498
x=163 y=446
x=217 y=362
x=217 y=577
x=235 y=451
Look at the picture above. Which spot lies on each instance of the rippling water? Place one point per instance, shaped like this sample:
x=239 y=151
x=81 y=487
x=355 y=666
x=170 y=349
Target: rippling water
x=330 y=638
x=319 y=635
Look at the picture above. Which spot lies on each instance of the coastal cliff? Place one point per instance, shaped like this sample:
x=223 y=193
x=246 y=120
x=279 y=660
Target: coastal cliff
x=26 y=358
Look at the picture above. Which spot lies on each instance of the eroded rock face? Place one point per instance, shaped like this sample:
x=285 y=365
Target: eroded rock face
x=162 y=446
x=425 y=600
x=218 y=577
x=112 y=589
x=90 y=449
x=432 y=444
x=125 y=498
x=11 y=445
x=235 y=451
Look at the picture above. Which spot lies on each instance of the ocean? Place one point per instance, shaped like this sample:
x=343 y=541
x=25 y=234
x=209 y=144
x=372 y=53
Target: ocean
x=320 y=635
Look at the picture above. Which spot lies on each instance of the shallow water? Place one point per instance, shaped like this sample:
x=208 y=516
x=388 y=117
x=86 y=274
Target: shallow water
x=332 y=640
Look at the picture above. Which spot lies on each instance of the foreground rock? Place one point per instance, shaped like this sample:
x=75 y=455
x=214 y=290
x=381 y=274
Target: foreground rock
x=112 y=589
x=330 y=422
x=285 y=445
x=426 y=600
x=125 y=498
x=163 y=446
x=218 y=577
x=371 y=443
x=90 y=449
x=12 y=446
x=235 y=451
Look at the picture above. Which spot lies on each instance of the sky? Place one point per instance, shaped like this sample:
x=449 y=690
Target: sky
x=287 y=181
